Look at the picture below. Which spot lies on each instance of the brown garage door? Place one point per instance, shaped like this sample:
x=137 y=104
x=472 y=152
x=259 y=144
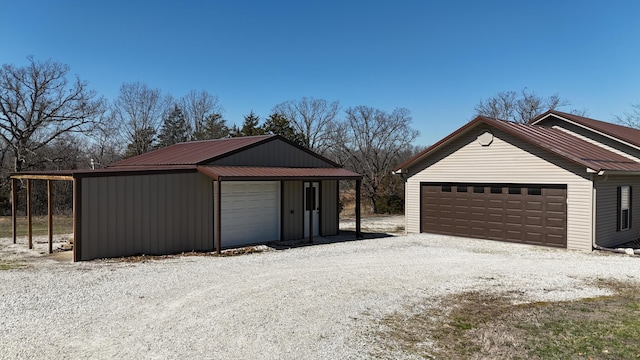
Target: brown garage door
x=531 y=214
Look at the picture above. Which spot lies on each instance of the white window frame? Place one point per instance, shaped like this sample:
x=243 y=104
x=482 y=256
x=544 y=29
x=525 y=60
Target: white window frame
x=625 y=207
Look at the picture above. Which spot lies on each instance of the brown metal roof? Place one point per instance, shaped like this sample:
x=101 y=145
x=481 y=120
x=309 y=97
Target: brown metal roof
x=129 y=170
x=555 y=141
x=193 y=152
x=568 y=146
x=624 y=133
x=275 y=173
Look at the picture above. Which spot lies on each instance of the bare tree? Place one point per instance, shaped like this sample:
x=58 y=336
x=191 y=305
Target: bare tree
x=312 y=118
x=630 y=119
x=38 y=105
x=518 y=107
x=373 y=140
x=199 y=107
x=138 y=110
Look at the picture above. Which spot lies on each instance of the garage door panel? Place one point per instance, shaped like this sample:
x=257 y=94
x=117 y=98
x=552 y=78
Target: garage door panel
x=250 y=212
x=513 y=214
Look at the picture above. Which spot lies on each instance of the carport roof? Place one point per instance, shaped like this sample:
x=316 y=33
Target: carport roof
x=275 y=173
x=591 y=156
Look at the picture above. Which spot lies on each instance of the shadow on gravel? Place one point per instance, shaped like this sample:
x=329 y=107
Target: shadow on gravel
x=343 y=236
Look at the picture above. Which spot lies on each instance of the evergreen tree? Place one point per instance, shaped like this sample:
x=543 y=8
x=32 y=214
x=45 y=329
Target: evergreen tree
x=175 y=128
x=278 y=124
x=142 y=142
x=250 y=126
x=213 y=127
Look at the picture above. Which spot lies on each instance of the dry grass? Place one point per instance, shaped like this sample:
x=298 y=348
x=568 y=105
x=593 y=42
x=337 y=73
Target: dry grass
x=62 y=224
x=224 y=253
x=481 y=326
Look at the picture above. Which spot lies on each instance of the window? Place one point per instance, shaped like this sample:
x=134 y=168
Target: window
x=496 y=189
x=624 y=208
x=534 y=191
x=478 y=189
x=446 y=188
x=515 y=190
x=461 y=188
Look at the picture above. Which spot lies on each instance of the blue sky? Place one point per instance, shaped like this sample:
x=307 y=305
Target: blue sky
x=436 y=58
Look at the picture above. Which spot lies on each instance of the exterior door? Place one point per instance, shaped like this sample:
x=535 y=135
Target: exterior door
x=311 y=193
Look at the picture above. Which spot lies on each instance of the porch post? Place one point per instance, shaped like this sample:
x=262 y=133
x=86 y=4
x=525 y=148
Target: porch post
x=218 y=215
x=358 y=229
x=14 y=197
x=50 y=214
x=77 y=233
x=29 y=219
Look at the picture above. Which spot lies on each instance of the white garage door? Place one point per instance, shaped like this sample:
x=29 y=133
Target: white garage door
x=250 y=212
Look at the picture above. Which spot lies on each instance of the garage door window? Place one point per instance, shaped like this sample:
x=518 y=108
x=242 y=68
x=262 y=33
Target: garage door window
x=534 y=191
x=624 y=207
x=514 y=190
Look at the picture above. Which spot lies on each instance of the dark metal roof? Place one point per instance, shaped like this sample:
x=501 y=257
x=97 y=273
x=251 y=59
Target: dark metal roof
x=130 y=170
x=275 y=173
x=624 y=133
x=572 y=148
x=193 y=152
x=555 y=141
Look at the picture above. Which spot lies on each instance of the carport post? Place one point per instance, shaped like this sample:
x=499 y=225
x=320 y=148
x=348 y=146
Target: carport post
x=218 y=220
x=358 y=230
x=50 y=214
x=29 y=222
x=14 y=196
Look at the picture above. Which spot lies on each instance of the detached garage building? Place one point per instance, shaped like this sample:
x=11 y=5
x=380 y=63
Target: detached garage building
x=562 y=180
x=204 y=196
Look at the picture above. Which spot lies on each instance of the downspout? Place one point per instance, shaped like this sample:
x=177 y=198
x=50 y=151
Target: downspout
x=628 y=251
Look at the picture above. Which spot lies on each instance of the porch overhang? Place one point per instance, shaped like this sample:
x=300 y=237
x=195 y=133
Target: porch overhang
x=249 y=173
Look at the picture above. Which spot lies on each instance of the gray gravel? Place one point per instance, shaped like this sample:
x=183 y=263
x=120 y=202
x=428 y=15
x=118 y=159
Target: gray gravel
x=315 y=302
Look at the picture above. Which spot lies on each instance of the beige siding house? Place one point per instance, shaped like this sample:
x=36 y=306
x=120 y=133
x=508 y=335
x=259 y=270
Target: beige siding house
x=203 y=196
x=563 y=181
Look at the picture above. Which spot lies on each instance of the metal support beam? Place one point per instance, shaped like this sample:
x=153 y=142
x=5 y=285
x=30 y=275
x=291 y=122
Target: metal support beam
x=77 y=234
x=218 y=223
x=50 y=214
x=29 y=219
x=358 y=217
x=14 y=199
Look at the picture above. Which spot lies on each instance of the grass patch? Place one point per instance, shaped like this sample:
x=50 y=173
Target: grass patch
x=62 y=224
x=479 y=325
x=5 y=265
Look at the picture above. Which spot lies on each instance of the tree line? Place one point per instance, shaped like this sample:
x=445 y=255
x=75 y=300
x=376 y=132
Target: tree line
x=50 y=120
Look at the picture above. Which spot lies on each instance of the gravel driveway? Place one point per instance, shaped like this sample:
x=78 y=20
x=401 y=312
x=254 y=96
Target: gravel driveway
x=314 y=302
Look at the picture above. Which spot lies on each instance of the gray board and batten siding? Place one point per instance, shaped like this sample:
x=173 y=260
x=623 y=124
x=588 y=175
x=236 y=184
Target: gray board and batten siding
x=145 y=214
x=606 y=208
x=273 y=154
x=329 y=212
x=178 y=215
x=292 y=210
x=465 y=160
